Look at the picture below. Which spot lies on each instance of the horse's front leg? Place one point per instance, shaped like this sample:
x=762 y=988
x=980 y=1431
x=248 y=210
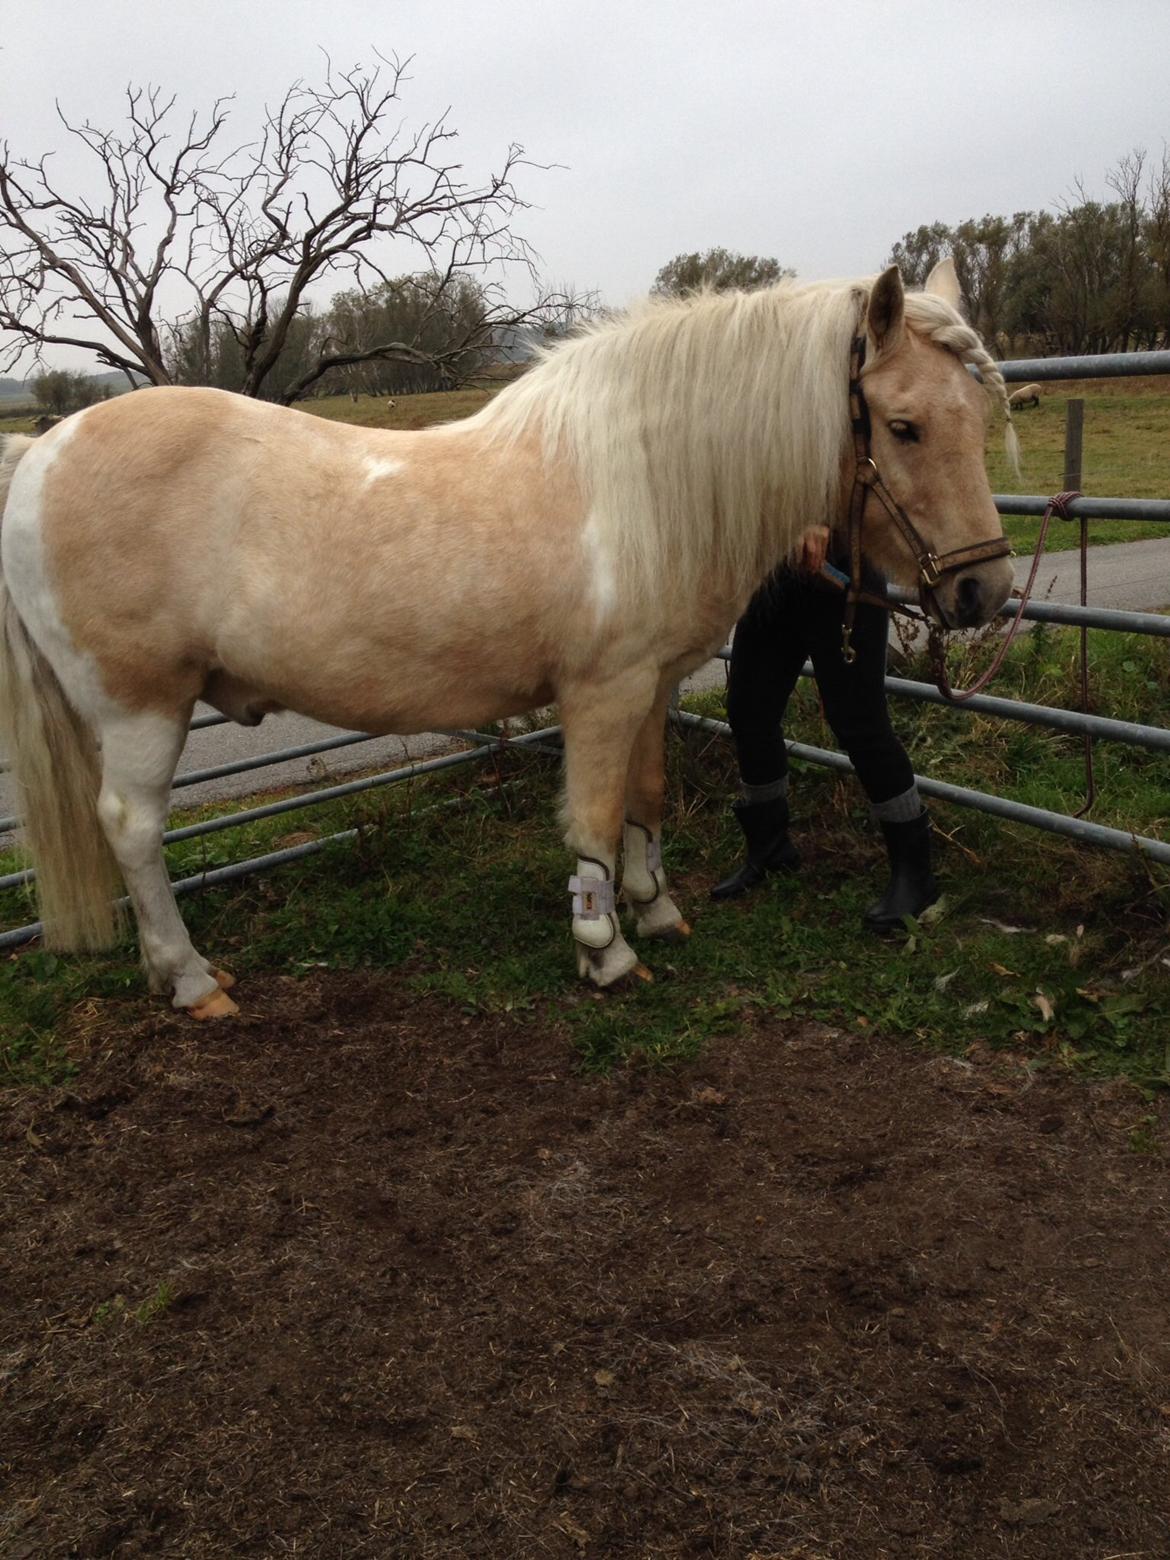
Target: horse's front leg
x=601 y=722
x=643 y=879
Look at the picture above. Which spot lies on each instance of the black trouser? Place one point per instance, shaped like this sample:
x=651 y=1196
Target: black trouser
x=790 y=618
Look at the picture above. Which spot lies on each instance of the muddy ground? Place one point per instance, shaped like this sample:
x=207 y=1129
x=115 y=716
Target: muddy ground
x=362 y=1275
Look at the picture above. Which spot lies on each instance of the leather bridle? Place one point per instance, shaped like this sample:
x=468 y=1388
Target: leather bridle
x=932 y=567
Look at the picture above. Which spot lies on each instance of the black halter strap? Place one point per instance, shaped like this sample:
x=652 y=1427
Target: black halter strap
x=932 y=566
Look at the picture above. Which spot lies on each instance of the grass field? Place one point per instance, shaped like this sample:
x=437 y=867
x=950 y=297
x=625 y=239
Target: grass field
x=1126 y=455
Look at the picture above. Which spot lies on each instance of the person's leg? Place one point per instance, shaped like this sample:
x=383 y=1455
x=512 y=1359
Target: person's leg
x=855 y=704
x=767 y=654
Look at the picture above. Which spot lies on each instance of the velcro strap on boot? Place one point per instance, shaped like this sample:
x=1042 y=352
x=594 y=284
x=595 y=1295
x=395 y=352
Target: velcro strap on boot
x=592 y=897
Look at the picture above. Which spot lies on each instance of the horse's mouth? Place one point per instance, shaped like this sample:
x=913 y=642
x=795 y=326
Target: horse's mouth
x=973 y=599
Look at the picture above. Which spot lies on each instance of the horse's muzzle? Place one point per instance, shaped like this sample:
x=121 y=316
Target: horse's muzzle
x=972 y=597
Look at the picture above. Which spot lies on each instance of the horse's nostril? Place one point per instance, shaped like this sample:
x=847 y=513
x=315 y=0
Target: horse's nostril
x=968 y=598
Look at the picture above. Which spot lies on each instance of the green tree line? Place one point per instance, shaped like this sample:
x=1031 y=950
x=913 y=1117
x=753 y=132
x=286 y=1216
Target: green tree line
x=1091 y=276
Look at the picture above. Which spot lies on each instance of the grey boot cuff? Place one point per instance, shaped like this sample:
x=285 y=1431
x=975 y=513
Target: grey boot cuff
x=754 y=794
x=899 y=809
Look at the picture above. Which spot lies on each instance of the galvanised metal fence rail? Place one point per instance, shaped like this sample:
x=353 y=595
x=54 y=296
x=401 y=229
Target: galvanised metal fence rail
x=1154 y=511
x=533 y=741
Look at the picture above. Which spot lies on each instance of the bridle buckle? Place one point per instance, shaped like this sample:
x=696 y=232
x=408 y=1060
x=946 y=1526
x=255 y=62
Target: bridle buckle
x=930 y=569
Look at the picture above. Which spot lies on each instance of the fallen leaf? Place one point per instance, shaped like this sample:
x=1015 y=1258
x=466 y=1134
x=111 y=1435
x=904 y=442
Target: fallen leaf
x=709 y=1096
x=1047 y=1011
x=976 y=1007
x=1002 y=926
x=604 y=1378
x=1001 y=969
x=1027 y=1513
x=574 y=1530
x=941 y=982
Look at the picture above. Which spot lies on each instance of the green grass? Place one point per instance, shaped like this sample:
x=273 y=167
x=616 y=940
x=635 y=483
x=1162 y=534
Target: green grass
x=152 y=1309
x=1050 y=949
x=1126 y=455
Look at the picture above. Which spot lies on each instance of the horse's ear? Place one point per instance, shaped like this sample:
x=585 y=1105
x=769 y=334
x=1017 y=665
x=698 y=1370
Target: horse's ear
x=943 y=282
x=884 y=315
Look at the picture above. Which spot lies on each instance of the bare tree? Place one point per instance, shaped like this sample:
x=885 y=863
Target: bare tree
x=1125 y=180
x=1158 y=237
x=192 y=235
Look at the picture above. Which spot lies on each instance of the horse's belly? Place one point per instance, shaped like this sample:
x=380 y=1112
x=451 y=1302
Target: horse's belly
x=420 y=699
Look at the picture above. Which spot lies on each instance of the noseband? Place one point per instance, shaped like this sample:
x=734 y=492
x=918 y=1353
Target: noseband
x=932 y=566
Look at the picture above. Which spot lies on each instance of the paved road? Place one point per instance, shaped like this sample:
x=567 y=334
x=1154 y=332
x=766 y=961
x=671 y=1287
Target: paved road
x=1130 y=576
x=1134 y=575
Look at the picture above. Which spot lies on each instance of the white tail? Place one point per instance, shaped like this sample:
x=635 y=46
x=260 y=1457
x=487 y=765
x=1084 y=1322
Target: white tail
x=54 y=763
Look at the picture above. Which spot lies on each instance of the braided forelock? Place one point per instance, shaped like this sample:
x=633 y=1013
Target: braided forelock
x=939 y=322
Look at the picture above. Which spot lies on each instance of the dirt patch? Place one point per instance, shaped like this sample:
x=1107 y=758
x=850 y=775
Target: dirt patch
x=364 y=1276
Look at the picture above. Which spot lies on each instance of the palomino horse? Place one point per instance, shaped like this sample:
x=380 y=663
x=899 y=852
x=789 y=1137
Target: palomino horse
x=589 y=537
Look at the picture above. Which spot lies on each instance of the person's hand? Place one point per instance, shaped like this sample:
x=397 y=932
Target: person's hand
x=813 y=546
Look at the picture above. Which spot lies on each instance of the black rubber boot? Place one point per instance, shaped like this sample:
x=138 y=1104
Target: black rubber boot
x=765 y=828
x=913 y=885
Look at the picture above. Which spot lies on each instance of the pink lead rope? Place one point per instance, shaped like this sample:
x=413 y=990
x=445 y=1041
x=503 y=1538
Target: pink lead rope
x=1057 y=505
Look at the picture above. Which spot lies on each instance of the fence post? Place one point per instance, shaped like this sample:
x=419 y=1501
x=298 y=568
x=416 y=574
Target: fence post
x=1074 y=431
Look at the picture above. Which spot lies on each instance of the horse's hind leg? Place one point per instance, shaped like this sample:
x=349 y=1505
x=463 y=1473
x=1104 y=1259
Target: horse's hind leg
x=643 y=880
x=139 y=754
x=600 y=723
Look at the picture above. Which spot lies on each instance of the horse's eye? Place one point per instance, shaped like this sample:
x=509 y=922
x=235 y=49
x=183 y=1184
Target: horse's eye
x=905 y=431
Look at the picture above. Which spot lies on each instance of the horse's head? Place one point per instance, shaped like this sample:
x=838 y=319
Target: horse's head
x=927 y=419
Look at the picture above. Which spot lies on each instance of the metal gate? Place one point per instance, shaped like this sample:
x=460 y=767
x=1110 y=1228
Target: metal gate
x=1153 y=511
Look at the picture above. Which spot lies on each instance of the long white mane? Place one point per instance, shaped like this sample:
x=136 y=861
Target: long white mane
x=708 y=432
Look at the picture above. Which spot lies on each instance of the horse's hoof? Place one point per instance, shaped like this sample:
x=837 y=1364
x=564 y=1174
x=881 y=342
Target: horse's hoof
x=632 y=978
x=678 y=933
x=223 y=979
x=638 y=976
x=610 y=967
x=216 y=1005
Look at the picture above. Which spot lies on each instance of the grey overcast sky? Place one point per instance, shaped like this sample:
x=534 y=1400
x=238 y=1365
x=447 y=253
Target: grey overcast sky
x=817 y=131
